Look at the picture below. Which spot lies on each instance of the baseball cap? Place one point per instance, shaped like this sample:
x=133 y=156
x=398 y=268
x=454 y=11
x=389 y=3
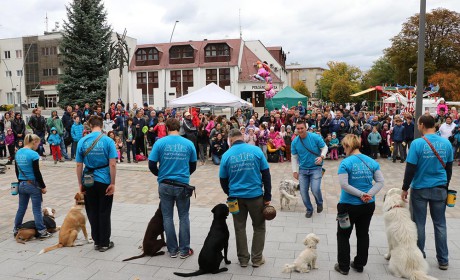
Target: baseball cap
x=187 y=114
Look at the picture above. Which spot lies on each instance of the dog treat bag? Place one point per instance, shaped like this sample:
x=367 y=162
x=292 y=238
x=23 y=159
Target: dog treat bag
x=232 y=204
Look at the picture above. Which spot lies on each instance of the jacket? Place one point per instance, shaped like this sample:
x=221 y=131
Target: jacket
x=77 y=131
x=399 y=134
x=18 y=127
x=133 y=131
x=409 y=131
x=9 y=139
x=374 y=138
x=54 y=139
x=37 y=123
x=56 y=123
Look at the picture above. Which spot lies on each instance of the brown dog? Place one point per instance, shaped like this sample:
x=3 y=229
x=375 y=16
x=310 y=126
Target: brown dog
x=28 y=230
x=151 y=244
x=73 y=223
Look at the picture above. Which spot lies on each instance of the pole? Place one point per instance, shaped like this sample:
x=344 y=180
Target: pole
x=170 y=40
x=420 y=64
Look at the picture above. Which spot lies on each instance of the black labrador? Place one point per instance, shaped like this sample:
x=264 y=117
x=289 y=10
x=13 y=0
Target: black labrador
x=217 y=240
x=151 y=244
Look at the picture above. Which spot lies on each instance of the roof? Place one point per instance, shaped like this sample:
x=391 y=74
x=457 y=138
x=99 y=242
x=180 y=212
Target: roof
x=199 y=46
x=249 y=68
x=289 y=92
x=298 y=66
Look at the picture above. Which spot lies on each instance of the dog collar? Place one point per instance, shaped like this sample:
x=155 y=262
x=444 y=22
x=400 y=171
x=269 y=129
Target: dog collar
x=396 y=206
x=80 y=203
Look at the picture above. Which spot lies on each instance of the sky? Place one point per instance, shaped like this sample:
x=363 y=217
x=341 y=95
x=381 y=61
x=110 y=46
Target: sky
x=311 y=32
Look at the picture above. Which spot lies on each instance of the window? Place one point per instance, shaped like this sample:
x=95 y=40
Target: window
x=153 y=77
x=50 y=72
x=7 y=54
x=211 y=76
x=220 y=77
x=147 y=82
x=224 y=74
x=9 y=98
x=147 y=56
x=141 y=78
x=19 y=73
x=8 y=73
x=181 y=80
x=175 y=77
x=217 y=50
x=141 y=55
x=49 y=51
x=18 y=53
x=181 y=54
x=152 y=54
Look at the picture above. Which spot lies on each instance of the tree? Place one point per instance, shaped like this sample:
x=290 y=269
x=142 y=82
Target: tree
x=339 y=71
x=300 y=87
x=341 y=91
x=381 y=72
x=442 y=45
x=449 y=84
x=85 y=51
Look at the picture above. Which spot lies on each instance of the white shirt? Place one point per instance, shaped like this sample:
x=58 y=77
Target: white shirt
x=446 y=129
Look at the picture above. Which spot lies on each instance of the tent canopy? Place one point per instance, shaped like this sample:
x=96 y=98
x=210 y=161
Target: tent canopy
x=396 y=98
x=362 y=92
x=210 y=95
x=288 y=97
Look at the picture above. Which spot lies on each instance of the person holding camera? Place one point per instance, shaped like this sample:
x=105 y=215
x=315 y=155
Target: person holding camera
x=177 y=158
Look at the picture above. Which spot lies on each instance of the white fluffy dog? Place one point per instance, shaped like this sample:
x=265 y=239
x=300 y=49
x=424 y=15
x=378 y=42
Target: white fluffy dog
x=287 y=192
x=307 y=258
x=406 y=259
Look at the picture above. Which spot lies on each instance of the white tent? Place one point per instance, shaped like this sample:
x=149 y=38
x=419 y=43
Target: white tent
x=396 y=98
x=210 y=95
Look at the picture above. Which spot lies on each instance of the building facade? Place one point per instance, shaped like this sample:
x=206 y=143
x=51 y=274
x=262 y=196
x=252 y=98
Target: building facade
x=308 y=75
x=165 y=71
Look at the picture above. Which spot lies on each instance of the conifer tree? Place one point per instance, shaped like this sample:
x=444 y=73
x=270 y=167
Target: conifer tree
x=85 y=53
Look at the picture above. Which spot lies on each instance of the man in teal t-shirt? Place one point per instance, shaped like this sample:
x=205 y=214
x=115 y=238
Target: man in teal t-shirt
x=429 y=178
x=177 y=158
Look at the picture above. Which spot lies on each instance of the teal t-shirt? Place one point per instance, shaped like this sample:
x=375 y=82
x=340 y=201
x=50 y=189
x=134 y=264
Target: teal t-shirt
x=242 y=164
x=174 y=153
x=24 y=158
x=360 y=169
x=99 y=156
x=315 y=143
x=430 y=172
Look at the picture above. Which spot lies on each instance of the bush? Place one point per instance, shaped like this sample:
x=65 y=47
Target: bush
x=6 y=107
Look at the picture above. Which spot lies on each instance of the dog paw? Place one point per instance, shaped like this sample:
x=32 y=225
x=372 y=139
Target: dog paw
x=89 y=241
x=387 y=256
x=228 y=262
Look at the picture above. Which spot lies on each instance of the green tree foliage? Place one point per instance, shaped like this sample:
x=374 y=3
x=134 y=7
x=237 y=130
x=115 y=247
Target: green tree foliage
x=337 y=73
x=381 y=72
x=85 y=50
x=442 y=46
x=300 y=87
x=341 y=91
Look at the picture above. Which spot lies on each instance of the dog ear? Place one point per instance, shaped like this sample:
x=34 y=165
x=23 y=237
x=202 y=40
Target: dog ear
x=214 y=209
x=77 y=196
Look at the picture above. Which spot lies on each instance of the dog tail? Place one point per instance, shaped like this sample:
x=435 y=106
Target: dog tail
x=421 y=275
x=285 y=193
x=196 y=273
x=59 y=245
x=288 y=268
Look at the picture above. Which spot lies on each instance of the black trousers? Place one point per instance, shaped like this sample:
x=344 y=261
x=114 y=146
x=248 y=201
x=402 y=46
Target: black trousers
x=99 y=208
x=140 y=146
x=374 y=150
x=360 y=217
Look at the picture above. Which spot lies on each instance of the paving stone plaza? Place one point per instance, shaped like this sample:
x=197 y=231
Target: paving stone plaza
x=136 y=199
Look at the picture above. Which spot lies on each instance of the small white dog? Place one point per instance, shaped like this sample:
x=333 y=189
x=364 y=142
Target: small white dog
x=307 y=258
x=406 y=259
x=287 y=192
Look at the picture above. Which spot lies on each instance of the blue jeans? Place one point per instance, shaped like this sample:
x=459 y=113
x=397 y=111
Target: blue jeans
x=310 y=178
x=216 y=159
x=64 y=149
x=170 y=195
x=32 y=191
x=436 y=199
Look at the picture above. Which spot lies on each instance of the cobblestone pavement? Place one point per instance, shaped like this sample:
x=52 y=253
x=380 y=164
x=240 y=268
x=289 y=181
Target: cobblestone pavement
x=135 y=202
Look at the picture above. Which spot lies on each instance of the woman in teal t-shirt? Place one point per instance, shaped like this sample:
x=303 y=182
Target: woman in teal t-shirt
x=31 y=184
x=356 y=173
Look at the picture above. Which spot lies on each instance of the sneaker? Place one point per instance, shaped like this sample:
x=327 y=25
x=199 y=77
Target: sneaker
x=243 y=264
x=61 y=160
x=337 y=268
x=259 y=263
x=319 y=209
x=97 y=247
x=190 y=253
x=308 y=214
x=357 y=268
x=45 y=235
x=174 y=255
x=402 y=161
x=103 y=249
x=129 y=161
x=443 y=266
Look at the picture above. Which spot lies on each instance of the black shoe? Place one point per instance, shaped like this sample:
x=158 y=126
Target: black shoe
x=394 y=160
x=319 y=209
x=103 y=249
x=129 y=161
x=337 y=268
x=357 y=268
x=308 y=214
x=45 y=235
x=402 y=161
x=443 y=266
x=97 y=247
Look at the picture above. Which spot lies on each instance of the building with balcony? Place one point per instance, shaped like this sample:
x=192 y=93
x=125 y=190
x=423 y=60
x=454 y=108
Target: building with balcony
x=306 y=74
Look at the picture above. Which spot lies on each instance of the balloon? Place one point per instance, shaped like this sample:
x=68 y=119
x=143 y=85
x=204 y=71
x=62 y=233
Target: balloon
x=270 y=93
x=145 y=129
x=268 y=79
x=268 y=87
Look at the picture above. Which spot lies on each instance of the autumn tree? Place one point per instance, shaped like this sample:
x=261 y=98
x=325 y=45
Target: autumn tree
x=381 y=72
x=449 y=84
x=300 y=87
x=442 y=45
x=339 y=72
x=341 y=91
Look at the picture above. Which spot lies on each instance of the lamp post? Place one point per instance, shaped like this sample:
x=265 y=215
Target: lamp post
x=420 y=64
x=170 y=40
x=410 y=76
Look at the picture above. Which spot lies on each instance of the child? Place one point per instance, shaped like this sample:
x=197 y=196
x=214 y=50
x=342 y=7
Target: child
x=280 y=146
x=2 y=145
x=287 y=140
x=55 y=140
x=130 y=134
x=86 y=129
x=441 y=104
x=160 y=128
x=119 y=146
x=9 y=141
x=385 y=147
x=374 y=139
x=251 y=137
x=202 y=141
x=327 y=140
x=77 y=133
x=334 y=146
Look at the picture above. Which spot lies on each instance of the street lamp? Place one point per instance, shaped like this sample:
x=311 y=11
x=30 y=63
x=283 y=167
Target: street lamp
x=170 y=40
x=410 y=76
x=420 y=64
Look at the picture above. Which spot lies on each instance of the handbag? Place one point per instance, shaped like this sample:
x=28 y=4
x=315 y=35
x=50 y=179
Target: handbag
x=323 y=170
x=88 y=174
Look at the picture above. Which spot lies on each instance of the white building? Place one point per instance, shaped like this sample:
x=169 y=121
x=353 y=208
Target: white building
x=11 y=71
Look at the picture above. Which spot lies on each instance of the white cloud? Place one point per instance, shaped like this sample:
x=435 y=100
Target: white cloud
x=313 y=32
